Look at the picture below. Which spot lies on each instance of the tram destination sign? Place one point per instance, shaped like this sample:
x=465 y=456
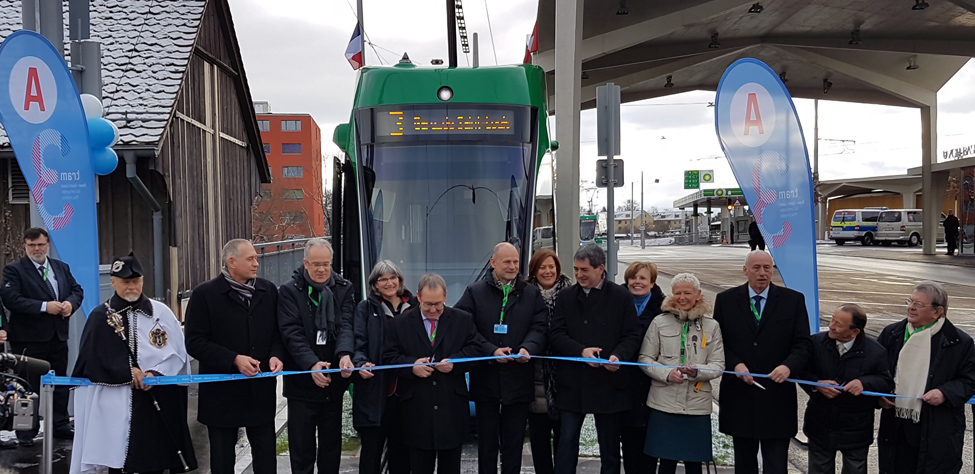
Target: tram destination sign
x=417 y=122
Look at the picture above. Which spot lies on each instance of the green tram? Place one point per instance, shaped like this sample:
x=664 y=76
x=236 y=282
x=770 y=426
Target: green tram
x=440 y=165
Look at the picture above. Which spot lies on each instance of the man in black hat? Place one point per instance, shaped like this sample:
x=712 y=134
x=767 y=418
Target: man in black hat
x=120 y=422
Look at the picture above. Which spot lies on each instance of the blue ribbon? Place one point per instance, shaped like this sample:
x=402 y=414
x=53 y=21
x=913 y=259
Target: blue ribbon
x=51 y=379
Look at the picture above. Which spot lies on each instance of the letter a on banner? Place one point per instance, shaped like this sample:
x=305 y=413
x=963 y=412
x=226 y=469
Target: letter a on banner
x=760 y=134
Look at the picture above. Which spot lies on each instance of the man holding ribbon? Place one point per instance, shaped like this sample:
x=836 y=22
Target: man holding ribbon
x=123 y=423
x=41 y=294
x=510 y=317
x=231 y=328
x=315 y=312
x=922 y=430
x=433 y=392
x=766 y=331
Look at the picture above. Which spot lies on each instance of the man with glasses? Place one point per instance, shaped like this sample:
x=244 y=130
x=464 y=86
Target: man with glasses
x=923 y=429
x=510 y=317
x=41 y=295
x=315 y=312
x=434 y=398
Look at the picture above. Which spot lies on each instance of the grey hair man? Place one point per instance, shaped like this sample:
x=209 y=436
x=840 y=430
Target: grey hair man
x=934 y=367
x=232 y=326
x=595 y=319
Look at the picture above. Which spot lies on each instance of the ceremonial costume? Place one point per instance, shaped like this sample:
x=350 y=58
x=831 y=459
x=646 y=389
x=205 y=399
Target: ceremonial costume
x=118 y=426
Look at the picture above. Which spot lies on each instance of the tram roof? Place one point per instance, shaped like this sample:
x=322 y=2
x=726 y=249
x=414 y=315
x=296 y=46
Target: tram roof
x=862 y=47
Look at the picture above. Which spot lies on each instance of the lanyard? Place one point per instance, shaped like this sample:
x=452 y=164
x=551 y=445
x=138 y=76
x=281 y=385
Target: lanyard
x=506 y=289
x=316 y=303
x=758 y=316
x=46 y=268
x=908 y=333
x=683 y=341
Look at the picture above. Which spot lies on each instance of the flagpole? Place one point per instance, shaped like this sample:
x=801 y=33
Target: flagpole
x=362 y=31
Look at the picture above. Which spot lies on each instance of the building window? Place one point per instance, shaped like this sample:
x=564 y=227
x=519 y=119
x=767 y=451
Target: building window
x=292 y=172
x=291 y=125
x=266 y=194
x=292 y=218
x=264 y=125
x=293 y=195
x=291 y=148
x=267 y=148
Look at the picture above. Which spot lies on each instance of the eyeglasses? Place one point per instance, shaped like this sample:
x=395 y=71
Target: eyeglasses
x=917 y=305
x=432 y=305
x=319 y=264
x=382 y=281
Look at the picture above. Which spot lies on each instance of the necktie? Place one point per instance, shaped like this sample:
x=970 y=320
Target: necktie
x=842 y=348
x=47 y=281
x=758 y=307
x=433 y=330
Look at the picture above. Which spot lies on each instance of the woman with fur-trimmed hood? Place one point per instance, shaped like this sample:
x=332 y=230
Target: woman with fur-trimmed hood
x=687 y=341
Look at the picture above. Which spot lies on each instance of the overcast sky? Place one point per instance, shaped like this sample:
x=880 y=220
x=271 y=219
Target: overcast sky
x=293 y=54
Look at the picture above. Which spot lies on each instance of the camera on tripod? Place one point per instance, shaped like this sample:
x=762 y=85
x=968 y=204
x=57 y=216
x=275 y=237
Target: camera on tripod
x=18 y=401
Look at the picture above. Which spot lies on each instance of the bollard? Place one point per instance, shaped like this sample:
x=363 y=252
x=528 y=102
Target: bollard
x=47 y=444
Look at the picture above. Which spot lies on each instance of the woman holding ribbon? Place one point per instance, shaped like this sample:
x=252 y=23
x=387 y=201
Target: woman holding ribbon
x=683 y=352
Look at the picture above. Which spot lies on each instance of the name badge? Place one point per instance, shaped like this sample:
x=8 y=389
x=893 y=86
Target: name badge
x=501 y=329
x=322 y=338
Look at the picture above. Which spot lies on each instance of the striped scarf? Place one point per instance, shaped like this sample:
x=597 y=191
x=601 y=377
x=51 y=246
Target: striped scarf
x=244 y=290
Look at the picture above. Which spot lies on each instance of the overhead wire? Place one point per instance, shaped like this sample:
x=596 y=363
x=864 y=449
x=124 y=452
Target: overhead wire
x=491 y=32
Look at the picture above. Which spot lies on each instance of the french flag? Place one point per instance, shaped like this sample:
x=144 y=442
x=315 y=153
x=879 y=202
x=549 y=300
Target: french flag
x=353 y=52
x=532 y=46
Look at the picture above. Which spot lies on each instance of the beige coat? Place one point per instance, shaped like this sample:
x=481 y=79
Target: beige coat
x=661 y=346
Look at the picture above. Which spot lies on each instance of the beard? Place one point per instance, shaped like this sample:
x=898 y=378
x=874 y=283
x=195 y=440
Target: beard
x=131 y=296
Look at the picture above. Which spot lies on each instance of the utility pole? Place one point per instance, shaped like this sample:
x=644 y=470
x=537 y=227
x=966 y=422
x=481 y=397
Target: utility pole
x=643 y=222
x=631 y=213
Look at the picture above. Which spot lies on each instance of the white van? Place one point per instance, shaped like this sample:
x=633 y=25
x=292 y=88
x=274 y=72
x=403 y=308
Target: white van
x=543 y=237
x=902 y=226
x=855 y=224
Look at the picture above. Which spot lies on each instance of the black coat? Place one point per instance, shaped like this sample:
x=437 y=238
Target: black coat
x=606 y=318
x=951 y=226
x=297 y=324
x=942 y=427
x=369 y=329
x=782 y=338
x=23 y=291
x=219 y=327
x=640 y=382
x=436 y=411
x=525 y=315
x=845 y=422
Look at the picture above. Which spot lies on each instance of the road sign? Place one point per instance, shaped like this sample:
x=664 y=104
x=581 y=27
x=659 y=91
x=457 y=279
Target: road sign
x=602 y=174
x=692 y=179
x=608 y=120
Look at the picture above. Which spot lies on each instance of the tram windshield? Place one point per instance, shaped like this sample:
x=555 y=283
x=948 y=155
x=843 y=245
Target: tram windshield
x=442 y=198
x=587 y=230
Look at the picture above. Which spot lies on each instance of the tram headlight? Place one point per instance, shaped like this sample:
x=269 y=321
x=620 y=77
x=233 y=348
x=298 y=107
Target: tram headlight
x=445 y=93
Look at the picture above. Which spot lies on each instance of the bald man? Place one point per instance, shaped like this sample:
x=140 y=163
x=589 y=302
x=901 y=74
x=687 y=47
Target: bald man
x=510 y=318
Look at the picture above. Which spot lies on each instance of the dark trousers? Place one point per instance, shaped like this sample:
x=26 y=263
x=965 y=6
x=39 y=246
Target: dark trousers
x=503 y=425
x=607 y=433
x=634 y=439
x=759 y=244
x=669 y=466
x=305 y=419
x=905 y=454
x=775 y=455
x=822 y=459
x=543 y=433
x=952 y=241
x=54 y=352
x=447 y=461
x=223 y=454
x=389 y=434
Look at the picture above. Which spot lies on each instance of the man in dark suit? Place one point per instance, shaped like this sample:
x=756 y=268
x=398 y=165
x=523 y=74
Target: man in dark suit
x=595 y=319
x=766 y=331
x=434 y=399
x=232 y=326
x=41 y=295
x=315 y=316
x=510 y=318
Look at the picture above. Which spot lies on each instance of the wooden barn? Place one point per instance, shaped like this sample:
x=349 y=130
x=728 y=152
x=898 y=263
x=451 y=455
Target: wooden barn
x=174 y=84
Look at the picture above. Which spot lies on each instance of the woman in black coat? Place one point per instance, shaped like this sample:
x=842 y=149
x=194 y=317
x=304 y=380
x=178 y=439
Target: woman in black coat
x=376 y=413
x=641 y=280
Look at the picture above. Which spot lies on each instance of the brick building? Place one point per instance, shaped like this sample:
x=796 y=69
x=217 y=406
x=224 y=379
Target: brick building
x=292 y=206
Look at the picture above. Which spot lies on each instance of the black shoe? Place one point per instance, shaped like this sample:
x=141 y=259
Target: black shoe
x=66 y=433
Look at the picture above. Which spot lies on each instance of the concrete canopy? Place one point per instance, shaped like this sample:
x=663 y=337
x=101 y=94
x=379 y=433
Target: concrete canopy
x=808 y=41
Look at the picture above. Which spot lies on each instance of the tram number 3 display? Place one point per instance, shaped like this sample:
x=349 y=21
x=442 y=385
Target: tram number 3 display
x=435 y=122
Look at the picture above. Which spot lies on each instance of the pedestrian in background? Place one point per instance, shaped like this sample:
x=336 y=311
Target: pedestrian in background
x=641 y=280
x=951 y=231
x=683 y=336
x=545 y=272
